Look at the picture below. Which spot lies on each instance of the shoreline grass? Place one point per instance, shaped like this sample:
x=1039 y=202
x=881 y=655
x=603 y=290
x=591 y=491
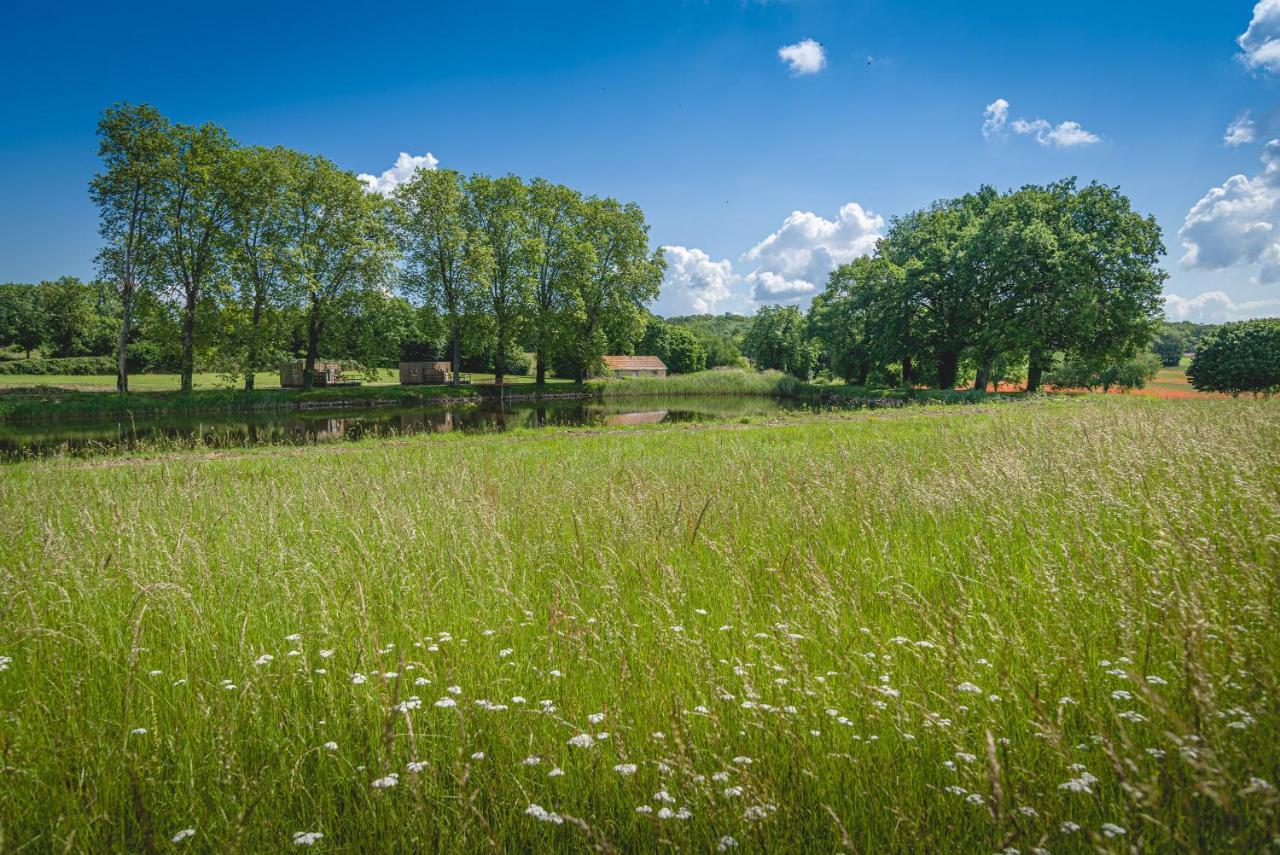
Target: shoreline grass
x=936 y=629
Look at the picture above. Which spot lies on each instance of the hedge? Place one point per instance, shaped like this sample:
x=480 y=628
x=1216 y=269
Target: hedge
x=78 y=365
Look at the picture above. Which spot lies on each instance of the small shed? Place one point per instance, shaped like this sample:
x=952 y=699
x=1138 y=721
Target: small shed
x=634 y=366
x=419 y=373
x=324 y=374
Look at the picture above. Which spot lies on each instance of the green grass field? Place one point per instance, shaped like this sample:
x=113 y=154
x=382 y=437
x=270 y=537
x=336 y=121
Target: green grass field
x=1035 y=625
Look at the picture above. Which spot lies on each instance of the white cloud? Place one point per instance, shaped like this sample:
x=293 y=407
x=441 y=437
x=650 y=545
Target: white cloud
x=795 y=261
x=805 y=57
x=693 y=276
x=1241 y=131
x=995 y=119
x=406 y=164
x=1215 y=307
x=1261 y=42
x=1238 y=223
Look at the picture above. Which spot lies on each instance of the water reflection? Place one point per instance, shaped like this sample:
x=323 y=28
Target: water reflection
x=232 y=430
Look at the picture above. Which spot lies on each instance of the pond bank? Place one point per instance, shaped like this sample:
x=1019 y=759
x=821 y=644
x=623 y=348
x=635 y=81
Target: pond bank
x=53 y=403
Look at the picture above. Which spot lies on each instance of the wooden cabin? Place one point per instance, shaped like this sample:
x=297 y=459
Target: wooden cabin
x=324 y=374
x=634 y=366
x=428 y=373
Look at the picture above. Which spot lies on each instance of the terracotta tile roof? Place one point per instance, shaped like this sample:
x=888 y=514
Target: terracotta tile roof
x=633 y=363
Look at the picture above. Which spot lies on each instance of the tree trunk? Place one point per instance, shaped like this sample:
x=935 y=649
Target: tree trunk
x=456 y=345
x=542 y=366
x=863 y=370
x=313 y=342
x=126 y=318
x=188 y=361
x=908 y=374
x=500 y=356
x=984 y=375
x=259 y=306
x=1035 y=369
x=948 y=366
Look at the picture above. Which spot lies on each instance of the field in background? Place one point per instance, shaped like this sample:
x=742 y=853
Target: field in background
x=1048 y=624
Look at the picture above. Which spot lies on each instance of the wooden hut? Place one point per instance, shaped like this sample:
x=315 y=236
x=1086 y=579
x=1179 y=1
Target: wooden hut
x=324 y=374
x=634 y=366
x=420 y=373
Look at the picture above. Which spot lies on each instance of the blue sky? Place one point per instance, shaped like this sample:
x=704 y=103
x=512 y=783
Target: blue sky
x=760 y=169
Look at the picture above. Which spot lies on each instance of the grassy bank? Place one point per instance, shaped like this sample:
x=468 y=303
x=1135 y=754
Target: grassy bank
x=766 y=383
x=940 y=629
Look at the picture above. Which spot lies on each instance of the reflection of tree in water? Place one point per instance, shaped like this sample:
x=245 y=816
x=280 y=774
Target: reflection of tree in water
x=110 y=436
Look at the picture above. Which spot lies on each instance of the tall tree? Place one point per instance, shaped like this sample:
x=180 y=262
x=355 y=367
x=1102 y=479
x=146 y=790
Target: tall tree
x=134 y=144
x=941 y=285
x=257 y=243
x=779 y=340
x=857 y=317
x=340 y=243
x=501 y=259
x=195 y=207
x=605 y=308
x=1072 y=271
x=21 y=320
x=432 y=230
x=560 y=259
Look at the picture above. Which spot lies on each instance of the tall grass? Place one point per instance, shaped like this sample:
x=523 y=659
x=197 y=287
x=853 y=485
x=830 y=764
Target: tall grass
x=732 y=382
x=1052 y=626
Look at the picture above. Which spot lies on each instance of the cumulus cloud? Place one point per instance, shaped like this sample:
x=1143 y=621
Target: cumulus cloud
x=794 y=261
x=995 y=117
x=1261 y=42
x=406 y=164
x=1238 y=223
x=693 y=276
x=1241 y=131
x=995 y=122
x=804 y=57
x=1215 y=307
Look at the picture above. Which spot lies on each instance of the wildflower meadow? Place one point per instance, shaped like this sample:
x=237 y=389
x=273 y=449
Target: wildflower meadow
x=1022 y=627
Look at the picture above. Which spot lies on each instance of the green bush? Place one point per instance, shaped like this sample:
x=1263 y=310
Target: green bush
x=1239 y=357
x=78 y=365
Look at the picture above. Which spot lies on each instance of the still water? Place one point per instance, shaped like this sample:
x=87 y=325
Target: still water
x=238 y=430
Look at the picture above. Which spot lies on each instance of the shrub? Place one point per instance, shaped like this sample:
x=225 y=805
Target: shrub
x=1239 y=357
x=77 y=365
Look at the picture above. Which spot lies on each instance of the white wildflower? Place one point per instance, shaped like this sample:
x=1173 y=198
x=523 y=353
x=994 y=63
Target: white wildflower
x=555 y=773
x=479 y=755
x=358 y=679
x=582 y=740
x=330 y=746
x=726 y=843
x=417 y=765
x=454 y=690
x=386 y=783
x=505 y=652
x=732 y=792
x=183 y=835
x=625 y=769
x=264 y=659
x=1110 y=829
x=543 y=815
x=596 y=718
x=644 y=809
x=139 y=731
x=663 y=796
x=325 y=654
x=531 y=760
x=1069 y=827
x=445 y=703
x=306 y=838
x=968 y=688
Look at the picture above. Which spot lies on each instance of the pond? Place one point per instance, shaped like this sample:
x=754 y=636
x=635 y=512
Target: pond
x=86 y=438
